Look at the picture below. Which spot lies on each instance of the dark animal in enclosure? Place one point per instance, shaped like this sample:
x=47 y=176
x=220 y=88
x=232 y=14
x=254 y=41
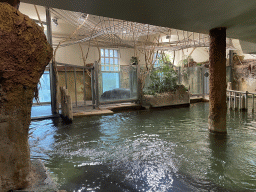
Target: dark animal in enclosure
x=115 y=94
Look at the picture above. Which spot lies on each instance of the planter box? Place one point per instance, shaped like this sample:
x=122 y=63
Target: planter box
x=178 y=97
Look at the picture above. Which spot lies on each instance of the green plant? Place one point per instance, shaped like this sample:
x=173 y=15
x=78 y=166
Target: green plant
x=163 y=79
x=134 y=60
x=186 y=61
x=164 y=58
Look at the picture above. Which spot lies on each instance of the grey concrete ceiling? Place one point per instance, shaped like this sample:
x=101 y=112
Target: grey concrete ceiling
x=238 y=16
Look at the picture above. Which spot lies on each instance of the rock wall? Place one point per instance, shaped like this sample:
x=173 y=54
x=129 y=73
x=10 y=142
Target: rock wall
x=245 y=75
x=178 y=97
x=24 y=54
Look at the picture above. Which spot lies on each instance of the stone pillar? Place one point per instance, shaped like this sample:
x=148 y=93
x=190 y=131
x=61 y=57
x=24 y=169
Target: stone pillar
x=24 y=54
x=217 y=95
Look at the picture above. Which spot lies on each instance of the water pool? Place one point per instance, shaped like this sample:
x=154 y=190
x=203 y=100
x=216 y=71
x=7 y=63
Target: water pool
x=157 y=150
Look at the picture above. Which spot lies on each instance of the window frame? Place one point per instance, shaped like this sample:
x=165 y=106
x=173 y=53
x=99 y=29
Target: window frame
x=110 y=67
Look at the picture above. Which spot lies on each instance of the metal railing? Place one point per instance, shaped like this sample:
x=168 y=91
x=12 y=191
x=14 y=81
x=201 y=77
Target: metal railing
x=239 y=100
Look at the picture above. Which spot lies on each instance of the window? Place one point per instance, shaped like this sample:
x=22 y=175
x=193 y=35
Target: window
x=44 y=91
x=156 y=61
x=109 y=60
x=110 y=69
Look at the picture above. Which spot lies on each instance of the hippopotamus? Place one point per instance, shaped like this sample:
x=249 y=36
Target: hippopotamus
x=115 y=94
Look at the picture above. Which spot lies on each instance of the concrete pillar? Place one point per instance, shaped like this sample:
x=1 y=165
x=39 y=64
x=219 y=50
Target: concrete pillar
x=217 y=95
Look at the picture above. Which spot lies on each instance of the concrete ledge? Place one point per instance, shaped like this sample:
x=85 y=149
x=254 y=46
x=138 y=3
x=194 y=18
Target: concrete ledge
x=121 y=107
x=39 y=179
x=178 y=97
x=44 y=117
x=194 y=99
x=125 y=107
x=92 y=113
x=168 y=106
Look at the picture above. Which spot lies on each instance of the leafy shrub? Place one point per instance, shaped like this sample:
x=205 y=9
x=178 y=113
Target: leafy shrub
x=163 y=79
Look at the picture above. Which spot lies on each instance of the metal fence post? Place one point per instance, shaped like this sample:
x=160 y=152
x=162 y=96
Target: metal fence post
x=75 y=85
x=252 y=102
x=139 y=85
x=246 y=100
x=92 y=87
x=235 y=103
x=179 y=75
x=131 y=81
x=231 y=65
x=192 y=85
x=96 y=83
x=240 y=101
x=203 y=83
x=84 y=87
x=229 y=100
x=66 y=78
x=51 y=65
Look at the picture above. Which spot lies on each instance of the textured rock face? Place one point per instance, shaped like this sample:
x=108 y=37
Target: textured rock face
x=217 y=94
x=179 y=97
x=24 y=54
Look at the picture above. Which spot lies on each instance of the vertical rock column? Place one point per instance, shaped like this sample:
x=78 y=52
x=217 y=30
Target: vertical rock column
x=24 y=54
x=217 y=95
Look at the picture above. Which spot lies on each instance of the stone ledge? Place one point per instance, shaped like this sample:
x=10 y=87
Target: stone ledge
x=178 y=97
x=92 y=113
x=39 y=179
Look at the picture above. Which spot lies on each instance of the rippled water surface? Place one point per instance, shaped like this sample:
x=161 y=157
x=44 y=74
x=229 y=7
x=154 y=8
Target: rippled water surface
x=157 y=150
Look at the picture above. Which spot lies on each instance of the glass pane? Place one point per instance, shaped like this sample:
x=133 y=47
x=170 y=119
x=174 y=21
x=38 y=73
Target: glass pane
x=116 y=61
x=116 y=68
x=102 y=68
x=110 y=81
x=111 y=61
x=107 y=68
x=106 y=60
x=102 y=61
x=111 y=68
x=156 y=55
x=115 y=53
x=102 y=52
x=111 y=53
x=44 y=90
x=106 y=53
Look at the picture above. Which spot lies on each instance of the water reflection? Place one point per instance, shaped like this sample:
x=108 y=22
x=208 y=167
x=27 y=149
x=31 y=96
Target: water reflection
x=169 y=150
x=218 y=159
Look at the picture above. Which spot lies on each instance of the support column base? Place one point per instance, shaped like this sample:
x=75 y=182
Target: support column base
x=217 y=126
